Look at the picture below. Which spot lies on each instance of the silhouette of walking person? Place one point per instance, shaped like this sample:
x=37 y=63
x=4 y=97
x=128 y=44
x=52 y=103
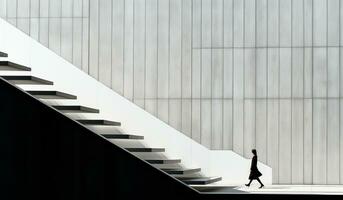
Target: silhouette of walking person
x=254 y=173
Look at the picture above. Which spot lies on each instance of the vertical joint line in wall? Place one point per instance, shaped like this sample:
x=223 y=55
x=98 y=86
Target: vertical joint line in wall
x=327 y=87
x=339 y=94
x=243 y=136
x=82 y=14
x=157 y=45
x=191 y=131
x=292 y=49
x=89 y=30
x=168 y=59
x=133 y=50
x=48 y=24
x=124 y=39
x=223 y=77
x=144 y=88
x=267 y=88
x=6 y=17
x=303 y=101
x=211 y=106
x=98 y=49
x=16 y=13
x=60 y=20
x=233 y=82
x=303 y=92
x=29 y=18
x=200 y=139
x=278 y=93
x=243 y=95
x=39 y=21
x=181 y=42
x=72 y=25
x=255 y=49
x=111 y=79
x=82 y=37
x=211 y=102
x=312 y=15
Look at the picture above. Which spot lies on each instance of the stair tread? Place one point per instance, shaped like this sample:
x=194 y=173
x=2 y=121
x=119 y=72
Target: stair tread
x=75 y=108
x=26 y=79
x=143 y=149
x=163 y=161
x=11 y=66
x=2 y=54
x=98 y=122
x=182 y=171
x=199 y=180
x=122 y=136
x=51 y=94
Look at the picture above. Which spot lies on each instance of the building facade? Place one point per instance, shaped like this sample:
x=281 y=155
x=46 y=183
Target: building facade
x=230 y=74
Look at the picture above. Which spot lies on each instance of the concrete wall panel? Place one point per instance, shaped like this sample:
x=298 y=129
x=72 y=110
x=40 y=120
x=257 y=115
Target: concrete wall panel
x=285 y=72
x=238 y=23
x=285 y=139
x=217 y=124
x=286 y=23
x=273 y=23
x=297 y=142
x=319 y=22
x=297 y=72
x=297 y=23
x=150 y=49
x=333 y=141
x=227 y=124
x=249 y=23
x=319 y=141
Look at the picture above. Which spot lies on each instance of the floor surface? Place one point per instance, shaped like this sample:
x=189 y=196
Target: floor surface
x=274 y=189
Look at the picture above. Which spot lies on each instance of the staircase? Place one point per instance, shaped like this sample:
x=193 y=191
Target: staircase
x=188 y=176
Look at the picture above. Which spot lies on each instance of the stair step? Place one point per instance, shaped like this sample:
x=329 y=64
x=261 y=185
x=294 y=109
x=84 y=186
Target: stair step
x=164 y=161
x=145 y=149
x=199 y=180
x=10 y=66
x=100 y=122
x=182 y=171
x=51 y=95
x=76 y=109
x=123 y=136
x=2 y=54
x=27 y=80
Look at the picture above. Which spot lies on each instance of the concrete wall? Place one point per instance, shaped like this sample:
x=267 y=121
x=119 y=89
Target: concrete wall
x=232 y=74
x=233 y=168
x=61 y=25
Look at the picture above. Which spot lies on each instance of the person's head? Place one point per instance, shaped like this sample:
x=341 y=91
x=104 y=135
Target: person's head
x=254 y=152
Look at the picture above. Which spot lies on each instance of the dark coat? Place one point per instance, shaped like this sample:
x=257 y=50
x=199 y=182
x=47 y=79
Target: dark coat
x=254 y=173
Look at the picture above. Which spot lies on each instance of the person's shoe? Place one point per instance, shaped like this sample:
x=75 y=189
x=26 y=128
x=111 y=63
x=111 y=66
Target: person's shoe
x=262 y=186
x=247 y=185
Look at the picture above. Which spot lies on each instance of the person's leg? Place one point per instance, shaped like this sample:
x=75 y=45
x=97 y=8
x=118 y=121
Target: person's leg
x=249 y=183
x=260 y=182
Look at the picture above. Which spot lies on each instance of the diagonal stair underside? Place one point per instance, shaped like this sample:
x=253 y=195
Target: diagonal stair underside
x=7 y=81
x=51 y=148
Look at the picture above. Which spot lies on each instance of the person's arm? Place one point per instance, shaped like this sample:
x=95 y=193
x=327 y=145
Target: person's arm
x=253 y=163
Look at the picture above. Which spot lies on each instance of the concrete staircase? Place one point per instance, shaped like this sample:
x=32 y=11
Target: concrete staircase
x=188 y=176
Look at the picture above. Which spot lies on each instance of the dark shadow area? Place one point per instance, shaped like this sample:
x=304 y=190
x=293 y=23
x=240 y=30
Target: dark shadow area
x=45 y=155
